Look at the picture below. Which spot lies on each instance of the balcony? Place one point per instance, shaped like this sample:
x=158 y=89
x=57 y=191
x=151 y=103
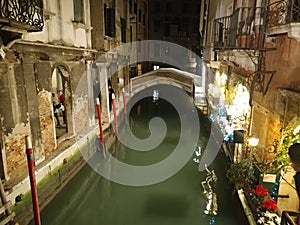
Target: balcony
x=241 y=30
x=283 y=12
x=244 y=28
x=22 y=14
x=284 y=17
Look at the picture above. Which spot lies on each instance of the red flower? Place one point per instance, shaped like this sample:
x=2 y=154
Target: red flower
x=269 y=205
x=261 y=191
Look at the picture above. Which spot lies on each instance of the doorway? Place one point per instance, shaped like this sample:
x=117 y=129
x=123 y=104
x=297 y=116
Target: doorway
x=60 y=89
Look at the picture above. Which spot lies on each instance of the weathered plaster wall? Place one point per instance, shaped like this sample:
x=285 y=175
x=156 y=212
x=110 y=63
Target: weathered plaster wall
x=266 y=125
x=60 y=28
x=27 y=109
x=81 y=120
x=32 y=103
x=15 y=119
x=81 y=85
x=285 y=61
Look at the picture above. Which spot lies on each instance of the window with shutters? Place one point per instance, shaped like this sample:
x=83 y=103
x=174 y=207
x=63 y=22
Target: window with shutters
x=131 y=34
x=130 y=6
x=168 y=7
x=78 y=11
x=167 y=26
x=123 y=30
x=135 y=8
x=195 y=26
x=140 y=15
x=109 y=20
x=156 y=25
x=157 y=6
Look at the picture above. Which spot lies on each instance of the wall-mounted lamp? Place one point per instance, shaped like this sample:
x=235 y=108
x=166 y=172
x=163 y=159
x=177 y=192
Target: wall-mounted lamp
x=253 y=141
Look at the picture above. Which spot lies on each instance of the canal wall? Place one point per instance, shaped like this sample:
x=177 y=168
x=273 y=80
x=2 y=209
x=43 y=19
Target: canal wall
x=47 y=167
x=67 y=148
x=64 y=167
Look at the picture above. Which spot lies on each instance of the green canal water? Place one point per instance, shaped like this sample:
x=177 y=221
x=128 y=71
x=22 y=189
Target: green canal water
x=93 y=200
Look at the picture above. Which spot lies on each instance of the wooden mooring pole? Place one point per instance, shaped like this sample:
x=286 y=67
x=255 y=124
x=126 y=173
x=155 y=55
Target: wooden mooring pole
x=115 y=114
x=34 y=196
x=100 y=121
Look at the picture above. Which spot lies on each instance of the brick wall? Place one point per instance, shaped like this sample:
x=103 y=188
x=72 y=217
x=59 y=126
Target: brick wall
x=46 y=121
x=15 y=147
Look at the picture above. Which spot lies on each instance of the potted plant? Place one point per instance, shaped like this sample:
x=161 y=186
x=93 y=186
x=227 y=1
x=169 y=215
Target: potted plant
x=244 y=40
x=241 y=174
x=290 y=135
x=244 y=36
x=266 y=207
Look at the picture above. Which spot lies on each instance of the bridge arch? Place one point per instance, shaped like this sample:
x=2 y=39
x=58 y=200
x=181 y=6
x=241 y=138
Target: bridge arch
x=169 y=76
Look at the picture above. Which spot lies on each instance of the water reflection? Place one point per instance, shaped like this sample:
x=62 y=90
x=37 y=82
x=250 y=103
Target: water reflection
x=179 y=200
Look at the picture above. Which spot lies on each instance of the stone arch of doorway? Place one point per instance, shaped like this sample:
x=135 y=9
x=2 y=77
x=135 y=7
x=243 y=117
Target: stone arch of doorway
x=61 y=98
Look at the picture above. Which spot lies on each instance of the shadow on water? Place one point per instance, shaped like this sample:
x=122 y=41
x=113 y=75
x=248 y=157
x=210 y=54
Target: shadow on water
x=179 y=200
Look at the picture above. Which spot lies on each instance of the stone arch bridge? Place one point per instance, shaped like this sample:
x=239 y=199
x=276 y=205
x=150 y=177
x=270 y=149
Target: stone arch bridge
x=178 y=78
x=190 y=82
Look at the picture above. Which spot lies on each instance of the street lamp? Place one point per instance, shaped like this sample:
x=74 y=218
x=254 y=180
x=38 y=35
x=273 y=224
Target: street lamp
x=253 y=142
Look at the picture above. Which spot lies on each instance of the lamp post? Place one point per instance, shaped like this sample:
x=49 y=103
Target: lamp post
x=253 y=142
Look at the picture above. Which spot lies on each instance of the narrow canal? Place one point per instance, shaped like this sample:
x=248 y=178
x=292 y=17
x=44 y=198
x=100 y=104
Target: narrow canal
x=91 y=199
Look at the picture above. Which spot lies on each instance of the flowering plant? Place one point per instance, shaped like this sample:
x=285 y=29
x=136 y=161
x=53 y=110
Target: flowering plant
x=259 y=194
x=269 y=218
x=269 y=205
x=266 y=206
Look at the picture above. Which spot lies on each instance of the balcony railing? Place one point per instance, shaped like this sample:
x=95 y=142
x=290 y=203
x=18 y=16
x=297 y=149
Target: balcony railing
x=242 y=29
x=23 y=14
x=283 y=12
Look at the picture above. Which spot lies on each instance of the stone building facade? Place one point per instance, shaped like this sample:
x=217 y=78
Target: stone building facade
x=255 y=44
x=176 y=22
x=35 y=66
x=55 y=57
x=266 y=66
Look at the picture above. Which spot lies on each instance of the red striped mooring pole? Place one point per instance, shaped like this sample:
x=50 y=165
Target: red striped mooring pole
x=100 y=121
x=31 y=171
x=115 y=113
